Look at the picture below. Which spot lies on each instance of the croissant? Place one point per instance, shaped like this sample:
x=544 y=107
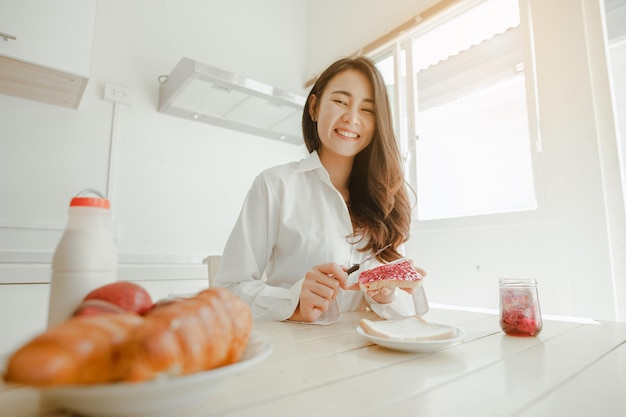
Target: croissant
x=176 y=338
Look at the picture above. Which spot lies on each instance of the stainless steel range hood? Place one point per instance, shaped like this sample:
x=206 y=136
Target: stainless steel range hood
x=206 y=94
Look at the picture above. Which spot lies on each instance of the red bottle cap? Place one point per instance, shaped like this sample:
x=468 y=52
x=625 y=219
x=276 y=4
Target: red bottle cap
x=90 y=202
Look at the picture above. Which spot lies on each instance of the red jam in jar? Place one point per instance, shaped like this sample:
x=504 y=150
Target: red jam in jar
x=520 y=314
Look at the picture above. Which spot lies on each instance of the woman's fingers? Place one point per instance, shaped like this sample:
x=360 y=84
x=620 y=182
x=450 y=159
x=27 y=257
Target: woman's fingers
x=352 y=287
x=327 y=289
x=320 y=286
x=382 y=291
x=315 y=298
x=418 y=269
x=383 y=295
x=333 y=272
x=313 y=301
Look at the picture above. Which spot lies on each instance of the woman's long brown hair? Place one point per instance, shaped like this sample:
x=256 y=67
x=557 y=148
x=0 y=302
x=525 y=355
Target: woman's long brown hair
x=379 y=204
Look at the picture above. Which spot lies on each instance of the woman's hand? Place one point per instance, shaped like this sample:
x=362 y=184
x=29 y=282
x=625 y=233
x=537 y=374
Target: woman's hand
x=319 y=288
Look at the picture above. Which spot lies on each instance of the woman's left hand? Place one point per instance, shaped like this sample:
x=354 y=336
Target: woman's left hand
x=384 y=295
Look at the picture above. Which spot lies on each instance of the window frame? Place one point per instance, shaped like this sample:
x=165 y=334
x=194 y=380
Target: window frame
x=408 y=141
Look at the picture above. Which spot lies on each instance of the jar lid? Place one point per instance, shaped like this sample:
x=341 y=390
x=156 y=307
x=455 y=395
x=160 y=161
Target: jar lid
x=518 y=282
x=99 y=201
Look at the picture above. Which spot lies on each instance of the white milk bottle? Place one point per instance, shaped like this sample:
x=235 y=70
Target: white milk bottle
x=85 y=258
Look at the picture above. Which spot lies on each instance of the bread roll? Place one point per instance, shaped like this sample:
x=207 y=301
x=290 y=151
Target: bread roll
x=399 y=274
x=81 y=350
x=177 y=338
x=183 y=337
x=411 y=328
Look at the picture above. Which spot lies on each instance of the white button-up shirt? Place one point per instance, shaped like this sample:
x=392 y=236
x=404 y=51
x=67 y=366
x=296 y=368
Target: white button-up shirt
x=293 y=219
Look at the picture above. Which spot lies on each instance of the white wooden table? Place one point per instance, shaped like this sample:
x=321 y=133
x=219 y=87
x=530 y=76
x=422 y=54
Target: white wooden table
x=571 y=369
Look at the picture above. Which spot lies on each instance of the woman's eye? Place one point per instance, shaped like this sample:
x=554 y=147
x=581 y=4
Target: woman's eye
x=369 y=111
x=338 y=101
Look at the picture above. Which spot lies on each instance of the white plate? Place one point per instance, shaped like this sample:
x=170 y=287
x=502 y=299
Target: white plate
x=415 y=345
x=154 y=398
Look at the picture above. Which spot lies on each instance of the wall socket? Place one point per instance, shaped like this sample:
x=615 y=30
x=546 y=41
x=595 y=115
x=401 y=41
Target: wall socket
x=118 y=94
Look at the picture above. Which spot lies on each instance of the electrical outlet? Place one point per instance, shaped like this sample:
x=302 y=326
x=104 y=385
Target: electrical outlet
x=118 y=94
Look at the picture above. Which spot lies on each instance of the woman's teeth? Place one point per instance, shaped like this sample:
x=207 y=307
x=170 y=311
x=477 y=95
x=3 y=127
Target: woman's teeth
x=347 y=134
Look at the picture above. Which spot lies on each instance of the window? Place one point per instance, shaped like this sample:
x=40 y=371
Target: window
x=470 y=150
x=615 y=13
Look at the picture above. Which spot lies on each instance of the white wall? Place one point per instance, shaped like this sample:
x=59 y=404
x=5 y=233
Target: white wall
x=177 y=185
x=341 y=28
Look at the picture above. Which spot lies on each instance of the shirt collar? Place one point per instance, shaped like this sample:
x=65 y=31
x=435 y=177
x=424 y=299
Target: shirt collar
x=310 y=163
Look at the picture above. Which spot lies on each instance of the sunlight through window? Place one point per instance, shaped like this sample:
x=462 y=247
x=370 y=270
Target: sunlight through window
x=473 y=153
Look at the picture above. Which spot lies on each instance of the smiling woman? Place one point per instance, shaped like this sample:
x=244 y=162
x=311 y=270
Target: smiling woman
x=345 y=201
x=375 y=178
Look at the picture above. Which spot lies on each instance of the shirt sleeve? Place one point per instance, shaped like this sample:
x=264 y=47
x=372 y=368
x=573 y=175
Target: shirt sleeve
x=247 y=252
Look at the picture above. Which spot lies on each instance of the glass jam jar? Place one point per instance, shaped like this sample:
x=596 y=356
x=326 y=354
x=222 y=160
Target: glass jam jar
x=520 y=314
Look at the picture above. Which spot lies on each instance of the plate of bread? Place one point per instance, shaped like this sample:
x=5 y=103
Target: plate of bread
x=410 y=334
x=152 y=364
x=164 y=396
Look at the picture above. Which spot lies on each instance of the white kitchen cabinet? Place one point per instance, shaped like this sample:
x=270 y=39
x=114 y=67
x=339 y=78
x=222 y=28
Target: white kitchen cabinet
x=45 y=49
x=23 y=313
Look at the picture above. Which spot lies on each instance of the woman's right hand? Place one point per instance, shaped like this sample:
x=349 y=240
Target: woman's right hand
x=319 y=289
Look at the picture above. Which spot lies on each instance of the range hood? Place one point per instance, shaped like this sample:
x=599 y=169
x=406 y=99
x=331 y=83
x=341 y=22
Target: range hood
x=206 y=94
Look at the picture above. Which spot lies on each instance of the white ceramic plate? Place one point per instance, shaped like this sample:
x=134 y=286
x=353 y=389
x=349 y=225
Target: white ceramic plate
x=154 y=398
x=415 y=345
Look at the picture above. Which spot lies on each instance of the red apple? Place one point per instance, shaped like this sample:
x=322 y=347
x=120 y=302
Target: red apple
x=97 y=307
x=127 y=295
